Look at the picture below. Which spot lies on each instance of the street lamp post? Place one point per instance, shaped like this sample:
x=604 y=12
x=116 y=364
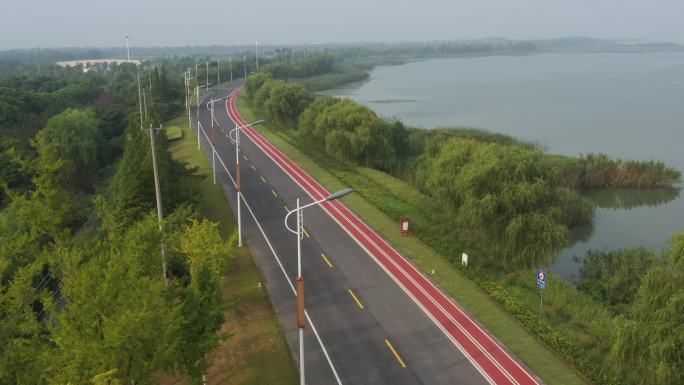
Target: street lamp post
x=301 y=316
x=188 y=95
x=213 y=134
x=197 y=114
x=236 y=130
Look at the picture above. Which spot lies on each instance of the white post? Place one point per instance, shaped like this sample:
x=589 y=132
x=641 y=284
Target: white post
x=197 y=115
x=213 y=135
x=299 y=241
x=185 y=88
x=189 y=98
x=299 y=276
x=239 y=193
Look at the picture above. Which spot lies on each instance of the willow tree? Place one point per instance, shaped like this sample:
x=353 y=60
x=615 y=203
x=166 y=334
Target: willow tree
x=650 y=342
x=506 y=192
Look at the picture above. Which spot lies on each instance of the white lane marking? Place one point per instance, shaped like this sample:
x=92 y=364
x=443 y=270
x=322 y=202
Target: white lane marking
x=313 y=327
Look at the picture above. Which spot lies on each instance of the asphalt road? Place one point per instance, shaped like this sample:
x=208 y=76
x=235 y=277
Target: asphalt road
x=371 y=330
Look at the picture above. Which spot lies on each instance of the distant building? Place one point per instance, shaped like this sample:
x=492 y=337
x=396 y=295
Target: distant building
x=95 y=64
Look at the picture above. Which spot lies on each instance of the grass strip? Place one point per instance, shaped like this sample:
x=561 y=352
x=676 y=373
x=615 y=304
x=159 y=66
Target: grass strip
x=257 y=352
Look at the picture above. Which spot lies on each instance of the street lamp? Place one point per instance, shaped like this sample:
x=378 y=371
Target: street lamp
x=188 y=96
x=236 y=130
x=301 y=319
x=213 y=133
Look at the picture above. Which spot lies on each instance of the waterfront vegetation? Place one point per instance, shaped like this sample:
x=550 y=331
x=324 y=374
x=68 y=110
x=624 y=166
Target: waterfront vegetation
x=509 y=204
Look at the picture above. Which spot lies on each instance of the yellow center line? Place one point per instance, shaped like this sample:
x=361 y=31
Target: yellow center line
x=355 y=298
x=326 y=260
x=286 y=209
x=396 y=355
x=262 y=179
x=306 y=233
x=274 y=193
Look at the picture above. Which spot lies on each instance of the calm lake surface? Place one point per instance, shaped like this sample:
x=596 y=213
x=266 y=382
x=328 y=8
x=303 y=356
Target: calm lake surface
x=629 y=106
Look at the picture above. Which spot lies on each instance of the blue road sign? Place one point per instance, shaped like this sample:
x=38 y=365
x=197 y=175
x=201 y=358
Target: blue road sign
x=541 y=279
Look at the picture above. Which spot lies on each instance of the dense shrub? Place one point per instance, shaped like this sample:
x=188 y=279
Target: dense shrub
x=614 y=276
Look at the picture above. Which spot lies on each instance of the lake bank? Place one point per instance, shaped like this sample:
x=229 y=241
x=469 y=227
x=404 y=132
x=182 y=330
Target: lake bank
x=625 y=105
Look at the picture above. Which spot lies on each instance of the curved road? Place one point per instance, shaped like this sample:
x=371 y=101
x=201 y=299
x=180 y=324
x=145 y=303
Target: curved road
x=377 y=320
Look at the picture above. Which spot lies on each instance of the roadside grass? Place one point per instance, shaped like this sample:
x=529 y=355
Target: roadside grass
x=174 y=133
x=527 y=348
x=256 y=353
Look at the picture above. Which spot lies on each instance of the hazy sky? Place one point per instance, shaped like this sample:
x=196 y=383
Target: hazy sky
x=60 y=23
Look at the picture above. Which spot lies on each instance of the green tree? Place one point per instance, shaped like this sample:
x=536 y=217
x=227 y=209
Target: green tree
x=307 y=120
x=286 y=102
x=202 y=302
x=254 y=82
x=615 y=276
x=650 y=342
x=116 y=316
x=77 y=137
x=508 y=192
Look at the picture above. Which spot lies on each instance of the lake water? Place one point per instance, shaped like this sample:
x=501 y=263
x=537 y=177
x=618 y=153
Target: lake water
x=629 y=106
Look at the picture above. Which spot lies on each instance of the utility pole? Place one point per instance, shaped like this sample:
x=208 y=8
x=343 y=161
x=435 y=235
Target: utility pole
x=140 y=102
x=144 y=104
x=157 y=189
x=218 y=72
x=187 y=103
x=207 y=76
x=185 y=87
x=230 y=61
x=256 y=55
x=244 y=64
